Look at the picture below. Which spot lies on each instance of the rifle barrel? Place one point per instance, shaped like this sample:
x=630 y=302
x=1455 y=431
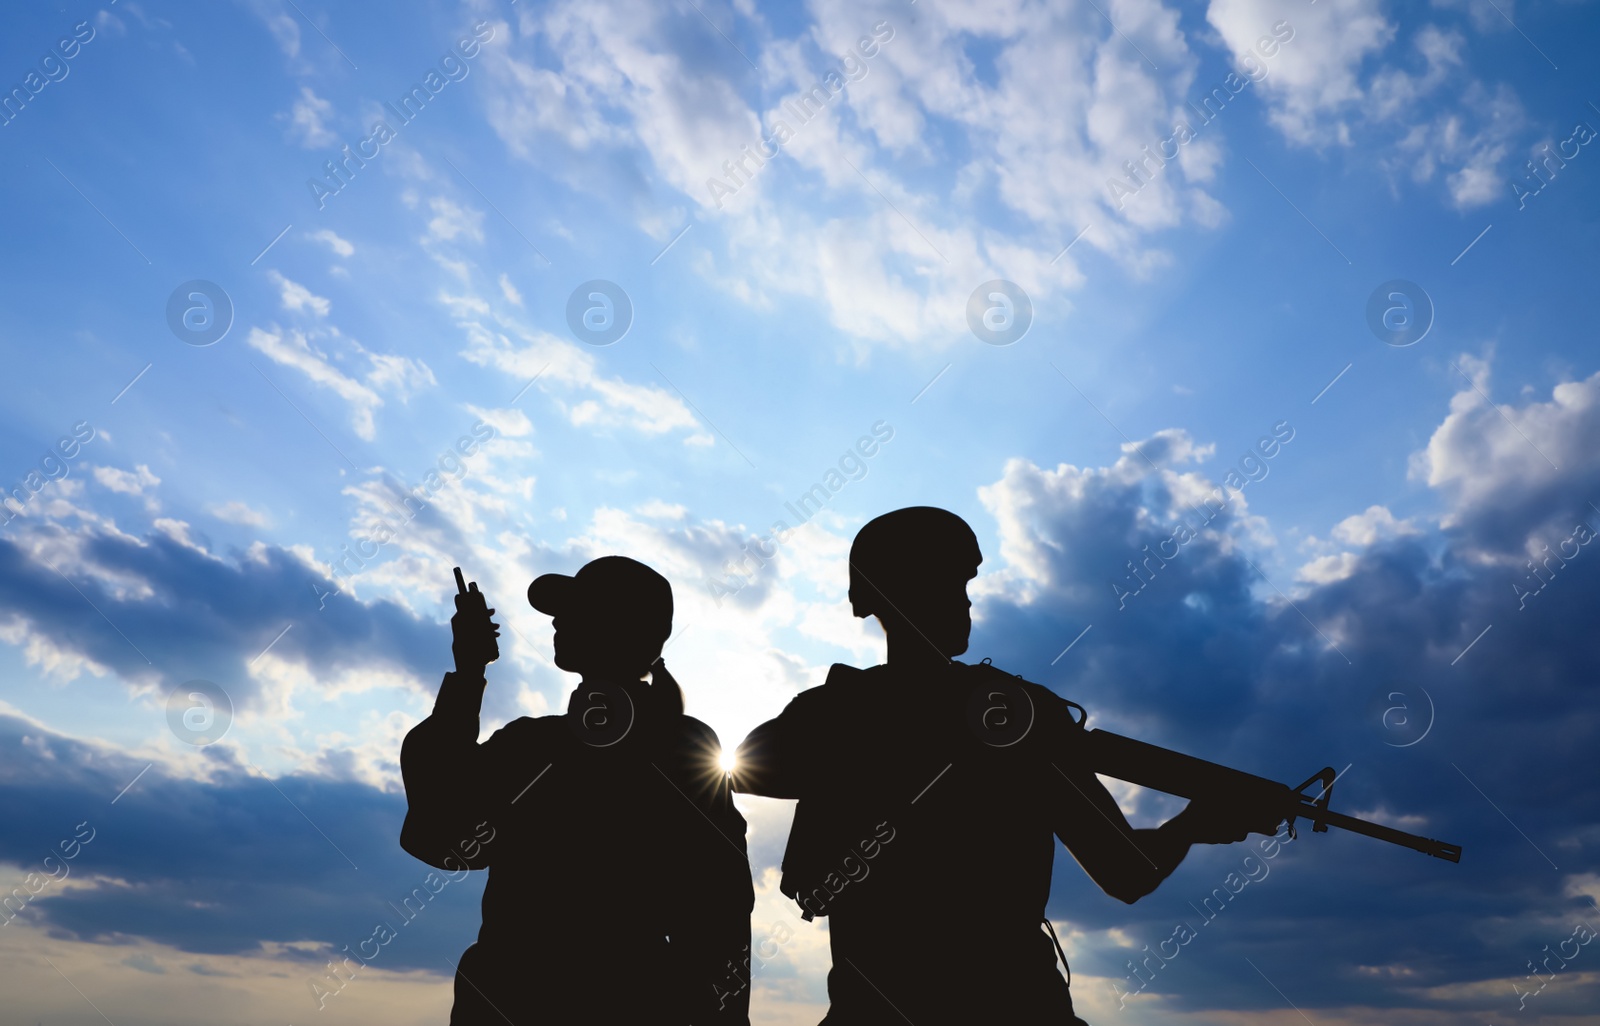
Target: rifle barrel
x=1427 y=845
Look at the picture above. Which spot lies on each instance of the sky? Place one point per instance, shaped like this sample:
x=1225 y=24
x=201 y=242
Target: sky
x=1252 y=338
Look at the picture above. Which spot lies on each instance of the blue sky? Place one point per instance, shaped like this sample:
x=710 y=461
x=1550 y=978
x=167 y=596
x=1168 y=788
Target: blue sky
x=192 y=528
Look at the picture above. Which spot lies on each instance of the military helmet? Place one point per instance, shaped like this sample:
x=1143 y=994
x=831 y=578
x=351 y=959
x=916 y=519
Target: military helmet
x=905 y=546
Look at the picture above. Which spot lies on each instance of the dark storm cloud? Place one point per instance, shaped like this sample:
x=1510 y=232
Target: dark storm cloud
x=220 y=867
x=208 y=617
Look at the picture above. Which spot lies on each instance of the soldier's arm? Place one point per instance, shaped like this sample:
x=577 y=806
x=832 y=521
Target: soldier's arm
x=1126 y=862
x=779 y=758
x=451 y=780
x=759 y=765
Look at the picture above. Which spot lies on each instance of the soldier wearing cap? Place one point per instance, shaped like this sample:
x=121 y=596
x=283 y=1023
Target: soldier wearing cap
x=618 y=886
x=930 y=796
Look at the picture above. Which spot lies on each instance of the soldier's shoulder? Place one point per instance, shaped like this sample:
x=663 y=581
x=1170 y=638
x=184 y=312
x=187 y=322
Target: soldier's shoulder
x=697 y=730
x=1041 y=694
x=841 y=679
x=530 y=727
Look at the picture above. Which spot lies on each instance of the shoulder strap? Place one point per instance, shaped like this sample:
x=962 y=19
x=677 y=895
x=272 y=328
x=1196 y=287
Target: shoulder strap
x=1076 y=1020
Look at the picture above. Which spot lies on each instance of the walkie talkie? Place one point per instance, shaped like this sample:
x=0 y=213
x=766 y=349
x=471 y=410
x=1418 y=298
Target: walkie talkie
x=470 y=601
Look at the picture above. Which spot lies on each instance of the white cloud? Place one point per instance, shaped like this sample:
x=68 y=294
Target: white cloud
x=1315 y=93
x=646 y=408
x=450 y=220
x=236 y=512
x=55 y=659
x=509 y=290
x=1582 y=885
x=297 y=297
x=294 y=349
x=399 y=375
x=1328 y=569
x=327 y=356
x=372 y=756
x=897 y=272
x=126 y=482
x=306 y=120
x=1342 y=77
x=655 y=509
x=1473 y=138
x=283 y=27
x=511 y=423
x=331 y=239
x=1394 y=89
x=1497 y=463
x=178 y=531
x=1377 y=523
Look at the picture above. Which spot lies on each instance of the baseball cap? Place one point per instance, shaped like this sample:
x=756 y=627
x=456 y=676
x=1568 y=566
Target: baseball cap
x=615 y=588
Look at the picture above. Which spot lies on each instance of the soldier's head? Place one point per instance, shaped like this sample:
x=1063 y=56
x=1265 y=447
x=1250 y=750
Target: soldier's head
x=611 y=617
x=910 y=569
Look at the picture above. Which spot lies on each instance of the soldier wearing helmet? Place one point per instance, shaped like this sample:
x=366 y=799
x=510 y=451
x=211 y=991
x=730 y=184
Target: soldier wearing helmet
x=931 y=793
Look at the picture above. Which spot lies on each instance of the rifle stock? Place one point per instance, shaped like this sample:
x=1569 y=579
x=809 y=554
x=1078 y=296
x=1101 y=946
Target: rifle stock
x=1162 y=769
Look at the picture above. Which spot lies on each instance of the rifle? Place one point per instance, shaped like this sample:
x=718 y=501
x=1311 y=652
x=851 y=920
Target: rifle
x=1185 y=776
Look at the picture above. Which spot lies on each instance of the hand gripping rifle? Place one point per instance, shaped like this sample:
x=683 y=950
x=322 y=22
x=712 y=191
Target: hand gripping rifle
x=1174 y=773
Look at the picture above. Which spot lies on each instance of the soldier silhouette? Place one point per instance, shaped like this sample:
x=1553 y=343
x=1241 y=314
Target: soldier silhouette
x=619 y=890
x=930 y=796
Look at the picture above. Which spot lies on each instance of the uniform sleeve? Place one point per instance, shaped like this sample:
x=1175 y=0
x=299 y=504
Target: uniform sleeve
x=1125 y=862
x=777 y=759
x=450 y=781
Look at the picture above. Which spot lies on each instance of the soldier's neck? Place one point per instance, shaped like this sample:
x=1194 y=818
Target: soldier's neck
x=914 y=654
x=593 y=677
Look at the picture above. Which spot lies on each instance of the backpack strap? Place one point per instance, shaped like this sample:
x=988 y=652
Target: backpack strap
x=1076 y=1021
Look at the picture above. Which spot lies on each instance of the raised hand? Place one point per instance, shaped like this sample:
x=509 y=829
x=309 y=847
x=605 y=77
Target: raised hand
x=473 y=632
